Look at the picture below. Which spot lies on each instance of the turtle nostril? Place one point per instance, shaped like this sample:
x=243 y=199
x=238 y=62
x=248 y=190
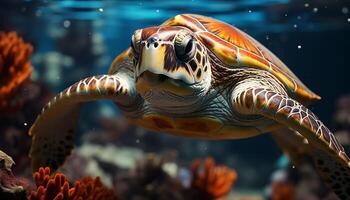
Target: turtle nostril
x=155 y=44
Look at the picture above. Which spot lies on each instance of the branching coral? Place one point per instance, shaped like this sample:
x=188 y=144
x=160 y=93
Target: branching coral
x=213 y=181
x=15 y=67
x=58 y=188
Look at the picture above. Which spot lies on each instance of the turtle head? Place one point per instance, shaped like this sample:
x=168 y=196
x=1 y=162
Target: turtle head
x=170 y=58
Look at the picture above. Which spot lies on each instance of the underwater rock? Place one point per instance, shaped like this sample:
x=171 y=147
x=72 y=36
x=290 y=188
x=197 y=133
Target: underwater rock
x=10 y=187
x=149 y=181
x=104 y=161
x=123 y=157
x=210 y=180
x=58 y=188
x=78 y=166
x=15 y=67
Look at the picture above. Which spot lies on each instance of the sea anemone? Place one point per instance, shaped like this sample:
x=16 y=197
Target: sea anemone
x=58 y=188
x=211 y=180
x=15 y=67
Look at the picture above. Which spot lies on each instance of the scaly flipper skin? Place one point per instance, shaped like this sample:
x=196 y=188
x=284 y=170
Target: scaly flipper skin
x=331 y=161
x=52 y=132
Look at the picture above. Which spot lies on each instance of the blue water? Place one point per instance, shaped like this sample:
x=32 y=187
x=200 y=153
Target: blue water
x=75 y=39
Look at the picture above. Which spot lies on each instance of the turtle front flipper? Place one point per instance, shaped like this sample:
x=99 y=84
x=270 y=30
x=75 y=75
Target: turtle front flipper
x=52 y=132
x=332 y=163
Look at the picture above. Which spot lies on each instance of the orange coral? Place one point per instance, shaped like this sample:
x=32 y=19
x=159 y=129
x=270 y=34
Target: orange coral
x=57 y=188
x=15 y=67
x=282 y=191
x=213 y=180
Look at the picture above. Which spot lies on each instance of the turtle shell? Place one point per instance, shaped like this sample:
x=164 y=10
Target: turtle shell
x=236 y=48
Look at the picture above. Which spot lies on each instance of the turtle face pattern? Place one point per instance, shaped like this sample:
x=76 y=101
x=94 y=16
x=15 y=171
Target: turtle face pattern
x=169 y=59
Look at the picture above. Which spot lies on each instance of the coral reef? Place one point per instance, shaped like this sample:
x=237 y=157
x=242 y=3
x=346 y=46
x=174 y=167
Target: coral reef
x=10 y=187
x=157 y=177
x=14 y=125
x=210 y=180
x=15 y=67
x=20 y=99
x=58 y=188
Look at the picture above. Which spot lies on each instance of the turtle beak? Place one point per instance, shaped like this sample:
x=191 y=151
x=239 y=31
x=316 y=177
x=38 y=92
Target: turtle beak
x=153 y=59
x=152 y=75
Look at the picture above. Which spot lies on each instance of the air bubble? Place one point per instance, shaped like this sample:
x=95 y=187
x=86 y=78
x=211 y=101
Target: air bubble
x=66 y=23
x=345 y=10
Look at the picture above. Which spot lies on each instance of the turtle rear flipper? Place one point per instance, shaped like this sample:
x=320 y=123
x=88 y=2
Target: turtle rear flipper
x=52 y=132
x=294 y=146
x=331 y=161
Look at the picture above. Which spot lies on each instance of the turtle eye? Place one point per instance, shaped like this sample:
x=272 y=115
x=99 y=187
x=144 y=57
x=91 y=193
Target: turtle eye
x=184 y=47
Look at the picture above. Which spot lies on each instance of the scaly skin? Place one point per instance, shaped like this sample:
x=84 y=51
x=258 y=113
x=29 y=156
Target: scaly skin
x=329 y=156
x=52 y=132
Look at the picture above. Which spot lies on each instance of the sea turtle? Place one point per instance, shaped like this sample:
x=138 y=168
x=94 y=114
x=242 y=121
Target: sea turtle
x=199 y=77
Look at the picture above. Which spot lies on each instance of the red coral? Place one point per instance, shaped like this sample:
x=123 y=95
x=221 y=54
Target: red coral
x=58 y=188
x=92 y=189
x=283 y=191
x=15 y=67
x=214 y=181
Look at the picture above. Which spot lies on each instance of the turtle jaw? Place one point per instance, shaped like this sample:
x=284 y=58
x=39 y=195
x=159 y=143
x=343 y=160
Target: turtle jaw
x=148 y=81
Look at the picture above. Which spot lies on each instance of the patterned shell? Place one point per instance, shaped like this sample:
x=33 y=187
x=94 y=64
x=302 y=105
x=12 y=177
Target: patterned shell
x=236 y=48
